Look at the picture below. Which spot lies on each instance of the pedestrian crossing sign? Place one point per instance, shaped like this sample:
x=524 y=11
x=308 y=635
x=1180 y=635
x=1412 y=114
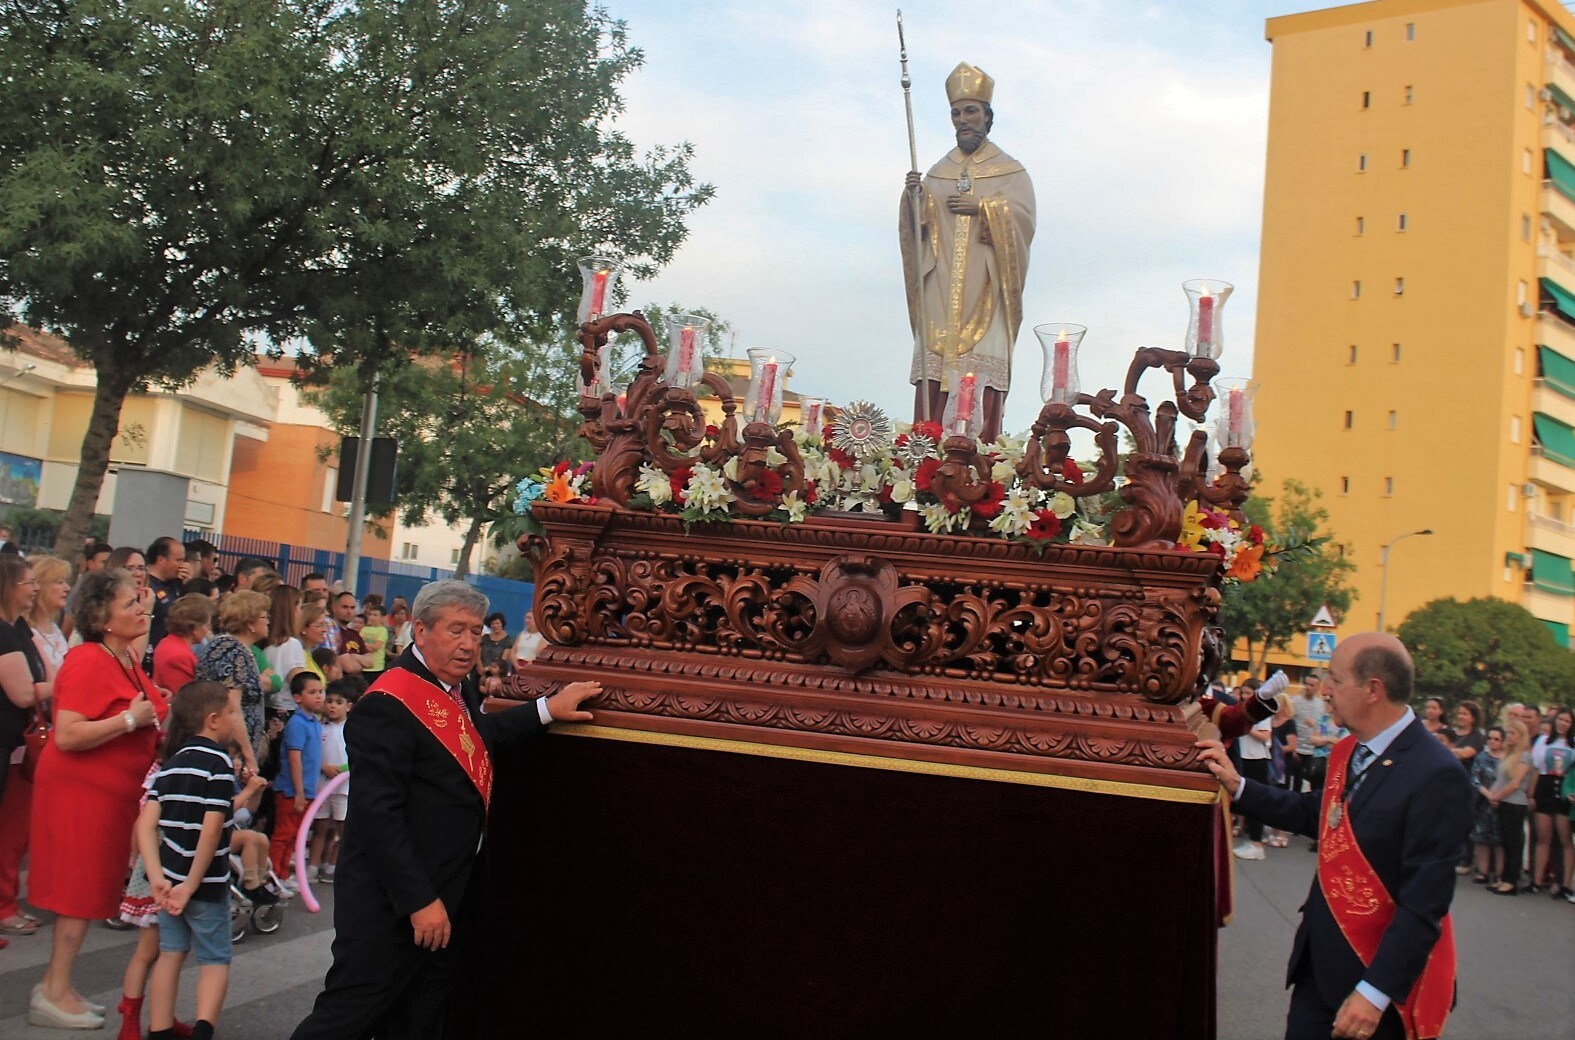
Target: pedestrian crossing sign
x=1320 y=646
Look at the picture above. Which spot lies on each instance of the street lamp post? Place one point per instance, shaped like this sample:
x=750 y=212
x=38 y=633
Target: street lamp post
x=1383 y=561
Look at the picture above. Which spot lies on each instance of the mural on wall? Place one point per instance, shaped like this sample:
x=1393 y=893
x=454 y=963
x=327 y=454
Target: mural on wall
x=19 y=478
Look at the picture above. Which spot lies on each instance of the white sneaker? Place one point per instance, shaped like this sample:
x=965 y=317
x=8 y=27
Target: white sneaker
x=311 y=874
x=288 y=887
x=1248 y=851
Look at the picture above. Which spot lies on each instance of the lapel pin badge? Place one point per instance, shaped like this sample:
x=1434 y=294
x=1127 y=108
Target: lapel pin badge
x=1389 y=761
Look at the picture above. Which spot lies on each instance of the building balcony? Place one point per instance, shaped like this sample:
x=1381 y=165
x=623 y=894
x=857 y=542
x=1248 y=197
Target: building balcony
x=1549 y=401
x=1556 y=134
x=1553 y=331
x=1550 y=535
x=1550 y=473
x=1560 y=212
x=1555 y=265
x=1559 y=73
x=1549 y=606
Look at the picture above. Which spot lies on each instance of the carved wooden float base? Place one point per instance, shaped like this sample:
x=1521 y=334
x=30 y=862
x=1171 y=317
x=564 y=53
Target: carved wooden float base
x=871 y=639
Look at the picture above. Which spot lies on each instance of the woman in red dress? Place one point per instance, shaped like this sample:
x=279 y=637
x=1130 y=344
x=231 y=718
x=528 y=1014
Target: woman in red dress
x=107 y=716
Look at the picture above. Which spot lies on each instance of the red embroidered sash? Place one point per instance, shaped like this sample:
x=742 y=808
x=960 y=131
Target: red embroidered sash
x=445 y=719
x=1363 y=908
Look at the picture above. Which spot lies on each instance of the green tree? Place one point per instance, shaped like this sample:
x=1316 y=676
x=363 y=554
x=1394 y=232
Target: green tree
x=382 y=179
x=1486 y=650
x=1268 y=613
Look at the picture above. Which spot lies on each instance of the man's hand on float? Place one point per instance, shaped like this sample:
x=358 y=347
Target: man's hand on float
x=1212 y=754
x=565 y=704
x=1357 y=1019
x=963 y=205
x=431 y=926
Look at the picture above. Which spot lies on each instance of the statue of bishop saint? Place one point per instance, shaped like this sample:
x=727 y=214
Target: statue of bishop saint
x=976 y=221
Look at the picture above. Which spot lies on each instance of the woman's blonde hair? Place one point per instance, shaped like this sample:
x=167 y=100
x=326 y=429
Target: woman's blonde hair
x=1517 y=739
x=309 y=614
x=46 y=569
x=239 y=609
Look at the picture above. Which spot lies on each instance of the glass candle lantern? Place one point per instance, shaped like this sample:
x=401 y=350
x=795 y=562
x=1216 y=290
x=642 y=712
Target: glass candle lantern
x=1206 y=330
x=768 y=372
x=599 y=281
x=1234 y=426
x=685 y=339
x=812 y=415
x=1059 y=341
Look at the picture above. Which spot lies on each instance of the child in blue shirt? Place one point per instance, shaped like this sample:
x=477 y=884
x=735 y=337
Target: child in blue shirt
x=300 y=764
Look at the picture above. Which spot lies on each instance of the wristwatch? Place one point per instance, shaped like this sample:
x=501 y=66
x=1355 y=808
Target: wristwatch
x=131 y=721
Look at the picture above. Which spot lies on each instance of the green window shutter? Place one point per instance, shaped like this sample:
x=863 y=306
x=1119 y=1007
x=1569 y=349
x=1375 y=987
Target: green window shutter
x=1558 y=371
x=1561 y=171
x=1565 y=38
x=1557 y=439
x=1562 y=298
x=1561 y=632
x=1551 y=572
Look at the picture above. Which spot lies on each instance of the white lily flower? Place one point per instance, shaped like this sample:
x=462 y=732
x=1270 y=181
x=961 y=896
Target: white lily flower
x=1062 y=504
x=774 y=458
x=654 y=482
x=795 y=506
x=706 y=491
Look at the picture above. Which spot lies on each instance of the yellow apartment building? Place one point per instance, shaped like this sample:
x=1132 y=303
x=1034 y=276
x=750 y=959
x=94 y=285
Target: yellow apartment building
x=1416 y=310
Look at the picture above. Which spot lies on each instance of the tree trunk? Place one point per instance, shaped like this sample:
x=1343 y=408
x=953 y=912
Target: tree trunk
x=462 y=569
x=108 y=398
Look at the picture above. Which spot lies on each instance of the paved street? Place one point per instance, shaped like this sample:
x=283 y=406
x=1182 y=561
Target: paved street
x=1517 y=957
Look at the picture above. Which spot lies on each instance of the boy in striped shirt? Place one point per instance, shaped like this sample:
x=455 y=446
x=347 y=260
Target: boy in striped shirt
x=184 y=837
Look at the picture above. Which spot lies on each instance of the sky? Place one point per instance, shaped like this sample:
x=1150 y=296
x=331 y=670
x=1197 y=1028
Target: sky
x=1142 y=125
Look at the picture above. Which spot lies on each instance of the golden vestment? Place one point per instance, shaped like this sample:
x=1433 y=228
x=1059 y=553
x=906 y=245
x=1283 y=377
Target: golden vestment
x=970 y=322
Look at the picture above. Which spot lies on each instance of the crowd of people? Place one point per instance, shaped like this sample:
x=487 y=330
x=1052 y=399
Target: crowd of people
x=1522 y=771
x=161 y=717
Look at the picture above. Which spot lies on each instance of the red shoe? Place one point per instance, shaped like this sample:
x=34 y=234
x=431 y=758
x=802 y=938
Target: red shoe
x=180 y=1030
x=130 y=1009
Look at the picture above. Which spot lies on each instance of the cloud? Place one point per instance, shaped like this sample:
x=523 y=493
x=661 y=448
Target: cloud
x=1143 y=129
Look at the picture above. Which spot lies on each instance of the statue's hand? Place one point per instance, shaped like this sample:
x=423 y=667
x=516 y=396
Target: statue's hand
x=913 y=180
x=963 y=205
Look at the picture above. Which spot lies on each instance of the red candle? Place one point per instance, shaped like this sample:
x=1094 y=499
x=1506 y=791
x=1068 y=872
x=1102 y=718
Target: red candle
x=686 y=352
x=768 y=390
x=598 y=294
x=1235 y=416
x=1061 y=365
x=965 y=396
x=1205 y=324
x=812 y=415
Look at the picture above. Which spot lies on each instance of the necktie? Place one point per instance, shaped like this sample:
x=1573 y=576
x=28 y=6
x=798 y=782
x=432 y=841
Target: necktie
x=1360 y=759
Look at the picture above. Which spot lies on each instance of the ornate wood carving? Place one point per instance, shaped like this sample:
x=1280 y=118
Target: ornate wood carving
x=866 y=631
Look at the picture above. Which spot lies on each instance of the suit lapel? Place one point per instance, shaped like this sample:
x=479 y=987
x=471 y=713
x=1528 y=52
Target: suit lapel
x=1382 y=766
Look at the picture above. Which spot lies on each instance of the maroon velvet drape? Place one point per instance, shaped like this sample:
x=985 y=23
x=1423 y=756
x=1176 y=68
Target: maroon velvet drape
x=668 y=892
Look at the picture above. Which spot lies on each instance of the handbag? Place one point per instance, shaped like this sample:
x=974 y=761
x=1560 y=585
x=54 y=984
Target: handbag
x=33 y=740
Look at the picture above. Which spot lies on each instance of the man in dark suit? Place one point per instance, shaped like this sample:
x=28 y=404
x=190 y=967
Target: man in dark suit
x=1375 y=952
x=417 y=822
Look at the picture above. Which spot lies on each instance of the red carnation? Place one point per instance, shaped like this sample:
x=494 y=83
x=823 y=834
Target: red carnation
x=930 y=429
x=560 y=469
x=842 y=458
x=811 y=494
x=1255 y=534
x=679 y=479
x=711 y=432
x=1213 y=521
x=1217 y=549
x=1071 y=472
x=767 y=488
x=926 y=474
x=989 y=507
x=1045 y=526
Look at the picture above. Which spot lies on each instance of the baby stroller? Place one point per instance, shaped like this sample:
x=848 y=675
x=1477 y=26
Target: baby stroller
x=263 y=918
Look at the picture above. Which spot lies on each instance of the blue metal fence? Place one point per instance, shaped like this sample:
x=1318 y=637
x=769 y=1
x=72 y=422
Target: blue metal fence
x=387 y=578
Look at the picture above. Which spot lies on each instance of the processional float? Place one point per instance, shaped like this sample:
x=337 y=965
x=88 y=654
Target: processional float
x=870 y=760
